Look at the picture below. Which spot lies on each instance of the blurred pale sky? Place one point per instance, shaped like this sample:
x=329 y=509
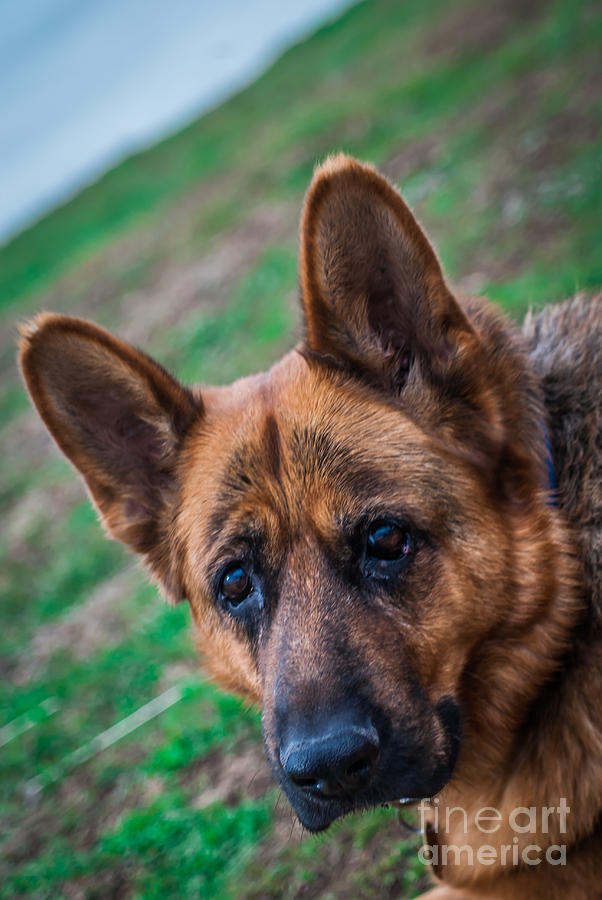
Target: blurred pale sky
x=83 y=83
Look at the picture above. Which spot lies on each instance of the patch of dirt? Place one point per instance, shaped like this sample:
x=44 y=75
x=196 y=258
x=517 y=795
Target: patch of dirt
x=478 y=28
x=411 y=156
x=115 y=884
x=205 y=284
x=177 y=671
x=539 y=151
x=232 y=777
x=26 y=433
x=95 y=623
x=45 y=504
x=90 y=812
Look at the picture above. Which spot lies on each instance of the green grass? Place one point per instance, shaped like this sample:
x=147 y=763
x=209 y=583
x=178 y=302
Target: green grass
x=222 y=345
x=489 y=121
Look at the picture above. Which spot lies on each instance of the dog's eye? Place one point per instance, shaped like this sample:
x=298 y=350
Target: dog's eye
x=388 y=541
x=235 y=584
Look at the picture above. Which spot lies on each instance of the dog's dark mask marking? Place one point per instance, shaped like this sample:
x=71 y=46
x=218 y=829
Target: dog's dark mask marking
x=329 y=628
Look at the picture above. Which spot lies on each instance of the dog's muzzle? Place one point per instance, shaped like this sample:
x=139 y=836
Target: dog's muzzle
x=332 y=765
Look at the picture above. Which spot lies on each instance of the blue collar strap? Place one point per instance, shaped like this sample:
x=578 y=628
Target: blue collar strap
x=552 y=483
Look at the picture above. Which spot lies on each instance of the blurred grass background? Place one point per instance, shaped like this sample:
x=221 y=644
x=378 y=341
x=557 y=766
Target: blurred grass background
x=488 y=118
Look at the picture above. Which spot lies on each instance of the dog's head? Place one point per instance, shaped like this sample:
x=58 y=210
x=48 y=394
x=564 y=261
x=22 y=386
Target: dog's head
x=344 y=526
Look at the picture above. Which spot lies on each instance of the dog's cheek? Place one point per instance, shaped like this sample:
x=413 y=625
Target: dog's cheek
x=462 y=592
x=226 y=655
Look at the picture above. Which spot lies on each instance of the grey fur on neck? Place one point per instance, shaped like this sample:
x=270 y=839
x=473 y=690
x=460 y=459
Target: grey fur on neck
x=565 y=346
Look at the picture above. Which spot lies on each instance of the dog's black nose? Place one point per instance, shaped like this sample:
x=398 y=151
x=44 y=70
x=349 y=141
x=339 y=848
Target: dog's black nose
x=337 y=764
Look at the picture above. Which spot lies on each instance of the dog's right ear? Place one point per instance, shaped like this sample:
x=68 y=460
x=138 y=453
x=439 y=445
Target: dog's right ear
x=120 y=419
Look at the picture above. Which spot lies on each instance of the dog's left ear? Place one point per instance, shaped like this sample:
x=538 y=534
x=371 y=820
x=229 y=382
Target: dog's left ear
x=373 y=292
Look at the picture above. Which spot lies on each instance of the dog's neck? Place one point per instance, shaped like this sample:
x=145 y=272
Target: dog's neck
x=543 y=737
x=542 y=678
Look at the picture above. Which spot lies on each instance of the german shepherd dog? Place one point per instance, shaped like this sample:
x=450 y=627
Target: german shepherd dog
x=390 y=541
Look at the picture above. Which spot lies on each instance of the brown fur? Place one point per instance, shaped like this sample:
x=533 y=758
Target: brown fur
x=400 y=401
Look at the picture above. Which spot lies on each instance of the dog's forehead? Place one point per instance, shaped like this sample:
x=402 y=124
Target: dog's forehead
x=303 y=443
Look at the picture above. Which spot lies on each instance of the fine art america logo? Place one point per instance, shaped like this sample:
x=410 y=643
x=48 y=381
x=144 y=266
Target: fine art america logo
x=521 y=822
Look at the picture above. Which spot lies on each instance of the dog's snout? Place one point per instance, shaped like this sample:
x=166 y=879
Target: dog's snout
x=336 y=764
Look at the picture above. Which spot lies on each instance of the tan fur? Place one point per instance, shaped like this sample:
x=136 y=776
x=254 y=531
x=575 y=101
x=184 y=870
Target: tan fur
x=400 y=400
